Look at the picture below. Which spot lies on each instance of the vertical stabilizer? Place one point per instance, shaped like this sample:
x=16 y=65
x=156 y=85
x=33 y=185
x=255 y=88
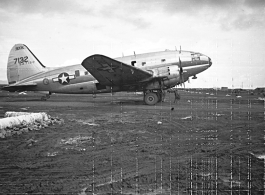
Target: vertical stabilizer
x=22 y=63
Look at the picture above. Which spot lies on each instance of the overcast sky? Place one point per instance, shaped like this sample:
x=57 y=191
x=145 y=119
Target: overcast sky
x=64 y=32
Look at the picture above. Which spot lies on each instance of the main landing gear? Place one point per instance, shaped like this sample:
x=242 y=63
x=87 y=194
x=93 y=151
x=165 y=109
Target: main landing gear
x=152 y=97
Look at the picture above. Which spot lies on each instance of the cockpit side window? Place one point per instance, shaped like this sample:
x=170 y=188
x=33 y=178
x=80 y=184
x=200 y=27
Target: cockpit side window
x=195 y=56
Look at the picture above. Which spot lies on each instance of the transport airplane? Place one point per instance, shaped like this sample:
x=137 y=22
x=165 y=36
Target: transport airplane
x=151 y=73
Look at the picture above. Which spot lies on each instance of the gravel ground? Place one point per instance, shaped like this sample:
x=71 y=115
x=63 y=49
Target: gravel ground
x=209 y=143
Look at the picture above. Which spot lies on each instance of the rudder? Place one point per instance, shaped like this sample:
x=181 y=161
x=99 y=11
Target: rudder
x=22 y=63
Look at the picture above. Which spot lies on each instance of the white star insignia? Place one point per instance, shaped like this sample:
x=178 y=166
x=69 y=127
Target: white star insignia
x=63 y=78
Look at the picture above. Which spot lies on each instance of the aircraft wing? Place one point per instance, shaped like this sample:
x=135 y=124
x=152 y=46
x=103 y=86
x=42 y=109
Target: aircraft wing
x=112 y=72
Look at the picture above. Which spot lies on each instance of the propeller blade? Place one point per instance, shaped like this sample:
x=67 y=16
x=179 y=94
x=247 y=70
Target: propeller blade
x=181 y=69
x=181 y=74
x=183 y=81
x=180 y=66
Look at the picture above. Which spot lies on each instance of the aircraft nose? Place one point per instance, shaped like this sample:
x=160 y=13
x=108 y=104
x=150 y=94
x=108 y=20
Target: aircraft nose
x=210 y=61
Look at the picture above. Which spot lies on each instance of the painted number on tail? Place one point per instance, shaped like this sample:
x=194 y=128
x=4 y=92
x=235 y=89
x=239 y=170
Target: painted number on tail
x=23 y=60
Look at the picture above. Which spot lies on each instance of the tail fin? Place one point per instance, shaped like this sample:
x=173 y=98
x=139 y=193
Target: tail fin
x=22 y=63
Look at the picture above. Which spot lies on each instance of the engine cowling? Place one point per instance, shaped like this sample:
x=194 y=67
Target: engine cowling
x=168 y=71
x=170 y=76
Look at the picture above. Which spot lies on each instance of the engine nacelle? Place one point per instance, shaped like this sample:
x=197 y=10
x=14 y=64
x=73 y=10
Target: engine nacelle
x=168 y=71
x=166 y=83
x=170 y=74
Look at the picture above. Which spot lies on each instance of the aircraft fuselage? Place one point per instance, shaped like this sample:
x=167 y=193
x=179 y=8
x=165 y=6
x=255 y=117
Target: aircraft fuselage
x=75 y=79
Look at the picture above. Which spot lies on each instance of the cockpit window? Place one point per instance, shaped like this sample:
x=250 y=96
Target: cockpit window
x=195 y=56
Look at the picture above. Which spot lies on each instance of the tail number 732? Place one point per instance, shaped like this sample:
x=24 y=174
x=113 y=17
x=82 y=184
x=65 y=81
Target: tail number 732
x=22 y=60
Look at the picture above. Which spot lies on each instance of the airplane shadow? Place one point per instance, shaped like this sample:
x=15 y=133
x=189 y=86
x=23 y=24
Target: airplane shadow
x=24 y=100
x=128 y=102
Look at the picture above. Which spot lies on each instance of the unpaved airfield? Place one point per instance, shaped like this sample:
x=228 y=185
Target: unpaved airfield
x=209 y=143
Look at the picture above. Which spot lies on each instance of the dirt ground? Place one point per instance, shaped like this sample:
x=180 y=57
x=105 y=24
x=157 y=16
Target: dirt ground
x=207 y=143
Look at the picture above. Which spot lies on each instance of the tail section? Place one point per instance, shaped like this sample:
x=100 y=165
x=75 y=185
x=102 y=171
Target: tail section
x=22 y=63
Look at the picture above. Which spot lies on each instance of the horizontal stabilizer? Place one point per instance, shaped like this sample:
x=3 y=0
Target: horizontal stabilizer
x=19 y=88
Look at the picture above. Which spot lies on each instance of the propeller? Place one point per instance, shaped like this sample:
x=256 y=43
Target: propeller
x=181 y=70
x=181 y=73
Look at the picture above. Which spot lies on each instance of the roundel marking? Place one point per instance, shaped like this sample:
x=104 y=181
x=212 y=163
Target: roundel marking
x=63 y=78
x=45 y=81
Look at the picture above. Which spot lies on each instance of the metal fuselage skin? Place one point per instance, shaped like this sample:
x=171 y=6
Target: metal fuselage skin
x=79 y=80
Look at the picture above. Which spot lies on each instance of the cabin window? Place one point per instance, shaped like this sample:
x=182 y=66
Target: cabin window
x=133 y=63
x=143 y=63
x=77 y=73
x=163 y=60
x=86 y=73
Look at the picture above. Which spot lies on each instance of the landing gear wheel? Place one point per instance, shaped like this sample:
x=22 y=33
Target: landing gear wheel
x=151 y=98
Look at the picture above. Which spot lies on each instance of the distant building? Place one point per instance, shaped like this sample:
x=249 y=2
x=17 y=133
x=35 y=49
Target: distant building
x=238 y=90
x=224 y=88
x=260 y=90
x=2 y=85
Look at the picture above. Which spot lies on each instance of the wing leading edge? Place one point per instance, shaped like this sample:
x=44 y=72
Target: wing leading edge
x=112 y=72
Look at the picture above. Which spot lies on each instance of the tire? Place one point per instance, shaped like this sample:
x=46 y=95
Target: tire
x=151 y=98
